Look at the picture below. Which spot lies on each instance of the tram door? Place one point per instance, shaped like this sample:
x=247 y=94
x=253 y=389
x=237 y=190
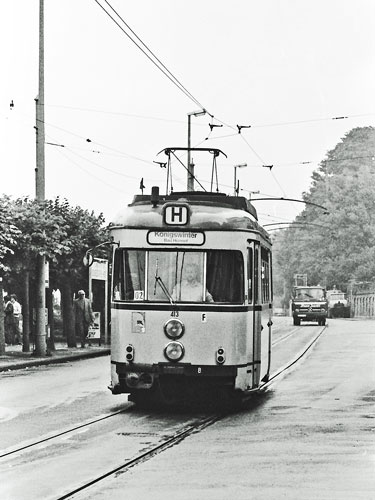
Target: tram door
x=257 y=313
x=266 y=314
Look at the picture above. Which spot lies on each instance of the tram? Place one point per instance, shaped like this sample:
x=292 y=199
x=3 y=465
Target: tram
x=191 y=304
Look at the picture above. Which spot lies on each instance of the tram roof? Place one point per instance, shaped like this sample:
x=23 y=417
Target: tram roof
x=203 y=198
x=208 y=211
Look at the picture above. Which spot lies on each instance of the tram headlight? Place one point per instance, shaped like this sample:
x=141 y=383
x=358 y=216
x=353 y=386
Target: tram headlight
x=174 y=328
x=174 y=351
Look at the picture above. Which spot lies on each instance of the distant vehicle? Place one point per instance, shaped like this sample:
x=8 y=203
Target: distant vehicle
x=337 y=304
x=309 y=303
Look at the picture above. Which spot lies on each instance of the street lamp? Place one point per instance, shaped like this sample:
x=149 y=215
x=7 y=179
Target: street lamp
x=236 y=188
x=190 y=167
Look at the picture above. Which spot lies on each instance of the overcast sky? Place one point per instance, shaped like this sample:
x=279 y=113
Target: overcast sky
x=285 y=67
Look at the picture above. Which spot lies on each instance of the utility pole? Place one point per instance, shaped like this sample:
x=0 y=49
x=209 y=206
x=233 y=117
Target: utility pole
x=40 y=326
x=190 y=166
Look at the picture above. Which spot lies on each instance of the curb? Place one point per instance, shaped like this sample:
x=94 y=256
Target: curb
x=11 y=366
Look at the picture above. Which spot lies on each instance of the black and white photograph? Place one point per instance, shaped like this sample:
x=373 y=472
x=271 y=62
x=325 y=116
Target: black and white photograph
x=187 y=250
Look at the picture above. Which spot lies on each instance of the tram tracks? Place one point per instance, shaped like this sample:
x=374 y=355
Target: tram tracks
x=284 y=337
x=191 y=429
x=285 y=368
x=163 y=443
x=147 y=455
x=50 y=437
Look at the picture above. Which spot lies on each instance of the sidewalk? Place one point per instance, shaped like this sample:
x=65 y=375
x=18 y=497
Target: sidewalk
x=15 y=359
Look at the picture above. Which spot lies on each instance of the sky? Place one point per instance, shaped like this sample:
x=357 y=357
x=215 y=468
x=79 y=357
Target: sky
x=284 y=70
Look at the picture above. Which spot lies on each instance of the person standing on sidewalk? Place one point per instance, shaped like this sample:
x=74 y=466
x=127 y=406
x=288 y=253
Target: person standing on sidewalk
x=8 y=320
x=17 y=310
x=83 y=316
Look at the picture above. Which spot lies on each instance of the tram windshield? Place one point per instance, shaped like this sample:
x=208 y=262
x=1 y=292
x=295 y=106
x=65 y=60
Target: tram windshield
x=178 y=276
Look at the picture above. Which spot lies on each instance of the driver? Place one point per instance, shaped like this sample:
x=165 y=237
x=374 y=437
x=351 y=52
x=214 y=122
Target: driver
x=190 y=287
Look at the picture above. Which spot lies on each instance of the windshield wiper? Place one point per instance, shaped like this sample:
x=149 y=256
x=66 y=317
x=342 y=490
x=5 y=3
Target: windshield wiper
x=162 y=286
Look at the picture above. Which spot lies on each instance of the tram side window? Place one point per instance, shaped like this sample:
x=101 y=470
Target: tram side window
x=225 y=274
x=256 y=276
x=129 y=275
x=250 y=274
x=265 y=282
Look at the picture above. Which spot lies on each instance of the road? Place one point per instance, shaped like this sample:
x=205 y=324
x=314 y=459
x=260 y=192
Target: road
x=310 y=436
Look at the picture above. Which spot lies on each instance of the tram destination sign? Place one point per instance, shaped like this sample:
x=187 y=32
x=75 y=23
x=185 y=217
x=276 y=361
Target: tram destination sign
x=175 y=238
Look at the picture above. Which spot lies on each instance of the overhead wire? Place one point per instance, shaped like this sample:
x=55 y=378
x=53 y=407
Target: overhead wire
x=88 y=140
x=116 y=113
x=311 y=120
x=121 y=153
x=70 y=150
x=210 y=137
x=148 y=53
x=88 y=172
x=308 y=120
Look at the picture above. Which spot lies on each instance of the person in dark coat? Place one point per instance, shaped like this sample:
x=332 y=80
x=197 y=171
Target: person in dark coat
x=83 y=316
x=8 y=321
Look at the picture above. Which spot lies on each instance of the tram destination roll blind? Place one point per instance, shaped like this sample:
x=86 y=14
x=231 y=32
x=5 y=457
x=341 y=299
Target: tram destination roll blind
x=175 y=238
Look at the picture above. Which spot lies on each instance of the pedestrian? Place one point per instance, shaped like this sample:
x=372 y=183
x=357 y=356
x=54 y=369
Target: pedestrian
x=83 y=316
x=8 y=320
x=17 y=311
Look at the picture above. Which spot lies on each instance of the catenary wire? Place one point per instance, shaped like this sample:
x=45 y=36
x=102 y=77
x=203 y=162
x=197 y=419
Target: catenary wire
x=90 y=173
x=156 y=62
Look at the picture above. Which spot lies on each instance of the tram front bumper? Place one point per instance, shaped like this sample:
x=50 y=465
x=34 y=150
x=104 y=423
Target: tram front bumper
x=186 y=369
x=133 y=376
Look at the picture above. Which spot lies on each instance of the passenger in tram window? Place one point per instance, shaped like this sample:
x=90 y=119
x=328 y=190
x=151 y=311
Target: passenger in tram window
x=189 y=289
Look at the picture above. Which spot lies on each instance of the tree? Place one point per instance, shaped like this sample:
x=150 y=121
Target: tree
x=83 y=230
x=41 y=233
x=335 y=247
x=59 y=232
x=8 y=237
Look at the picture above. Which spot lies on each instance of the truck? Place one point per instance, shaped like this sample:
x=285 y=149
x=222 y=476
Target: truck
x=309 y=303
x=337 y=304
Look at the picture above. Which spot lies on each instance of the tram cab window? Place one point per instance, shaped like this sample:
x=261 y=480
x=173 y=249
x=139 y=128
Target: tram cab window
x=178 y=276
x=188 y=276
x=129 y=275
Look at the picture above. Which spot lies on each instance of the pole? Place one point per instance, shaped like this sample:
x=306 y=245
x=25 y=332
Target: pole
x=40 y=326
x=237 y=188
x=190 y=166
x=190 y=178
x=40 y=133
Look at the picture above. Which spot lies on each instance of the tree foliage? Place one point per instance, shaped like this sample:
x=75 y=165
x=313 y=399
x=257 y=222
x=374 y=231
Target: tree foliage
x=40 y=232
x=9 y=233
x=82 y=230
x=56 y=230
x=336 y=246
